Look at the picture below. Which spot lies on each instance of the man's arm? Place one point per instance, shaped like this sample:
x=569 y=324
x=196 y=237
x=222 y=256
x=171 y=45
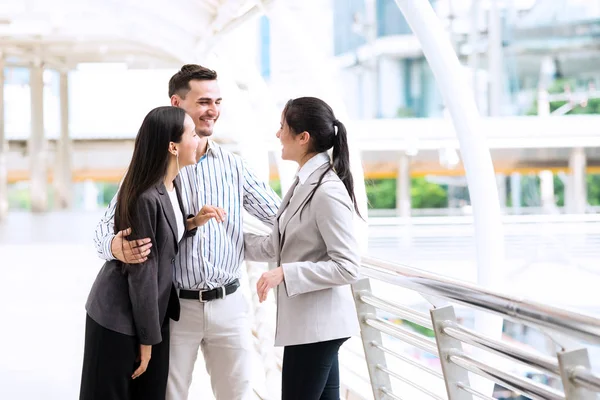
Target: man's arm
x=110 y=246
x=104 y=233
x=259 y=199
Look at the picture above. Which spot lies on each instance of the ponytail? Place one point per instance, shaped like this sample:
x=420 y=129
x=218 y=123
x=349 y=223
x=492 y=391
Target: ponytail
x=313 y=115
x=341 y=161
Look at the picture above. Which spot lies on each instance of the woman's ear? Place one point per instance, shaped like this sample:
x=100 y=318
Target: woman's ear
x=304 y=137
x=173 y=148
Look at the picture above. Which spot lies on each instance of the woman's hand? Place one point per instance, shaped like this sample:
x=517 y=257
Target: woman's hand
x=268 y=281
x=207 y=212
x=143 y=359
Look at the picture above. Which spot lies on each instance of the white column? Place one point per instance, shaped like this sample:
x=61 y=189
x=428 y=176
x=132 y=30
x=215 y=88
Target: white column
x=547 y=191
x=473 y=147
x=474 y=44
x=474 y=153
x=403 y=185
x=496 y=77
x=63 y=174
x=577 y=185
x=3 y=149
x=547 y=71
x=515 y=191
x=372 y=67
x=367 y=79
x=90 y=195
x=543 y=106
x=501 y=184
x=37 y=142
x=390 y=87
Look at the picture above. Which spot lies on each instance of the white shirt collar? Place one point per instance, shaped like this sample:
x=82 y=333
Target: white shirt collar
x=212 y=146
x=311 y=166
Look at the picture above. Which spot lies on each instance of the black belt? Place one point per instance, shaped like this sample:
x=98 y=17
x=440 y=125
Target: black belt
x=209 y=295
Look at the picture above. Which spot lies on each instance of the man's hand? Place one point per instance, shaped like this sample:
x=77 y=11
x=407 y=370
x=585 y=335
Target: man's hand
x=268 y=281
x=130 y=251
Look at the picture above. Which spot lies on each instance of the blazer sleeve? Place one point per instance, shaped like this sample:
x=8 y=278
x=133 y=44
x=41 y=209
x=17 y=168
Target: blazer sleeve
x=189 y=232
x=259 y=247
x=334 y=214
x=143 y=278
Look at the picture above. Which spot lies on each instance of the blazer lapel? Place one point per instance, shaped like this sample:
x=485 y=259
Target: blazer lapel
x=180 y=201
x=301 y=197
x=286 y=198
x=168 y=210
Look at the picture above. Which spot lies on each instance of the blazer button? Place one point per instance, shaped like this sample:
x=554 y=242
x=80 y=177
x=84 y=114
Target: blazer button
x=172 y=261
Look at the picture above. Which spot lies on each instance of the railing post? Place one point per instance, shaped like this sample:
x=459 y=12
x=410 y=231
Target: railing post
x=374 y=356
x=453 y=374
x=568 y=361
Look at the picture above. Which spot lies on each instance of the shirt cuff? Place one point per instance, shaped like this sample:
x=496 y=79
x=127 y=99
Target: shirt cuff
x=106 y=250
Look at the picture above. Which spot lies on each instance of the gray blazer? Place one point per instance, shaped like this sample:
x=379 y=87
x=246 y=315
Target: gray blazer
x=319 y=256
x=135 y=300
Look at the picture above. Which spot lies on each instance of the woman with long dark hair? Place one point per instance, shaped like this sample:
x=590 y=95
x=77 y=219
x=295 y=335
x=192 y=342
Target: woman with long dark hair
x=316 y=252
x=126 y=353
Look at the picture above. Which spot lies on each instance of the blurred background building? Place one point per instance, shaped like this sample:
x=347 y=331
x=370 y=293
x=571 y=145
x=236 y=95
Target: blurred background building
x=523 y=58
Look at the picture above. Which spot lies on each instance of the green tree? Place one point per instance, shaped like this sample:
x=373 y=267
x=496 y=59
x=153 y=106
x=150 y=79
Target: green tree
x=558 y=86
x=425 y=194
x=381 y=194
x=108 y=191
x=559 y=191
x=18 y=197
x=276 y=186
x=593 y=188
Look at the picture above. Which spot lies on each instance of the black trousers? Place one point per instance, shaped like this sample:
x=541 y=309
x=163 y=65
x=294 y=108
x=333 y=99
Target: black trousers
x=109 y=360
x=311 y=371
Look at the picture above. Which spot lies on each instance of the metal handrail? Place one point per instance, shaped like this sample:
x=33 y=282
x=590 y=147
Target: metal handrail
x=440 y=290
x=390 y=394
x=400 y=311
x=523 y=385
x=473 y=392
x=528 y=358
x=405 y=335
x=586 y=378
x=518 y=309
x=407 y=360
x=409 y=382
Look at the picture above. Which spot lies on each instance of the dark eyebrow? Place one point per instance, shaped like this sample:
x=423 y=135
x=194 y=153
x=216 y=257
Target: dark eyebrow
x=209 y=99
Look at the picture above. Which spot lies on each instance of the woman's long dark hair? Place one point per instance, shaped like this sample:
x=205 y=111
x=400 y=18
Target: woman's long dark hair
x=149 y=162
x=312 y=115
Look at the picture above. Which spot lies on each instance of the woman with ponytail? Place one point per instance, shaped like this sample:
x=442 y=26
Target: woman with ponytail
x=315 y=250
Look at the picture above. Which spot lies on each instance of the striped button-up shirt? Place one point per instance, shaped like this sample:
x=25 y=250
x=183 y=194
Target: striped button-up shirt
x=213 y=256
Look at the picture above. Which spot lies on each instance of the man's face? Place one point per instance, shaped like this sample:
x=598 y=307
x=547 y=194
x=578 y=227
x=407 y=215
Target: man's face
x=203 y=104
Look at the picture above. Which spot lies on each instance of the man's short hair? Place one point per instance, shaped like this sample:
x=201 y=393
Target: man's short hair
x=180 y=82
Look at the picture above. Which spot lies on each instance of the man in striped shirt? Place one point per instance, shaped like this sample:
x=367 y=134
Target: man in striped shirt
x=207 y=268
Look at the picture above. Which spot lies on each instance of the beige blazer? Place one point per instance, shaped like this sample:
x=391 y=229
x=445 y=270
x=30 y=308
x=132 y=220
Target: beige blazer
x=320 y=258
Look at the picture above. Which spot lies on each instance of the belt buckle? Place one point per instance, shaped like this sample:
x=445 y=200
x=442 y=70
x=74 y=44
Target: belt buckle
x=200 y=296
x=224 y=292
